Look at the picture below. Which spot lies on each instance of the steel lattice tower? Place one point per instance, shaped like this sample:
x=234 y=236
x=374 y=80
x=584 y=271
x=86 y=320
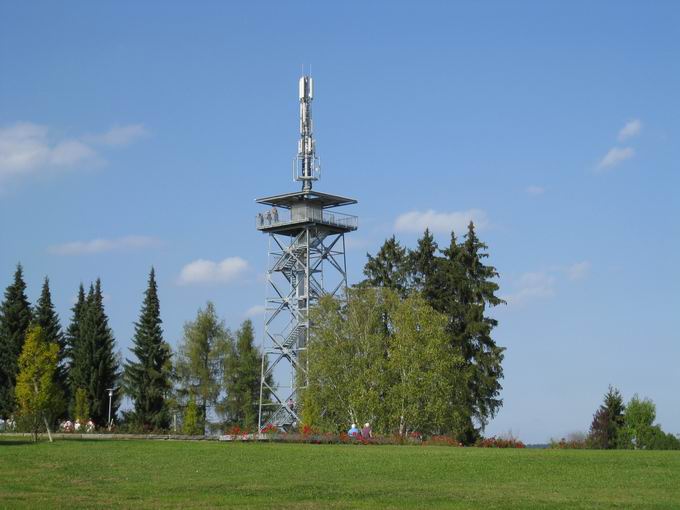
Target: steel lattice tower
x=306 y=261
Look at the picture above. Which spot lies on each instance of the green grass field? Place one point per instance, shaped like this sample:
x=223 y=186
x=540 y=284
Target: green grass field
x=165 y=474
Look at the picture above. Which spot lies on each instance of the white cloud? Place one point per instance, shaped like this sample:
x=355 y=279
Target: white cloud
x=119 y=135
x=579 y=270
x=418 y=221
x=616 y=156
x=631 y=129
x=532 y=286
x=27 y=148
x=539 y=285
x=535 y=190
x=356 y=243
x=208 y=271
x=255 y=311
x=95 y=246
x=70 y=152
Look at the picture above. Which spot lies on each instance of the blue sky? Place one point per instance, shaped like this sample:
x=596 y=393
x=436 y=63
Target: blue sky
x=139 y=134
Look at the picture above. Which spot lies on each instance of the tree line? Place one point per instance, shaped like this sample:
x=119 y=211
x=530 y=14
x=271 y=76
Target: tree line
x=48 y=374
x=412 y=349
x=617 y=425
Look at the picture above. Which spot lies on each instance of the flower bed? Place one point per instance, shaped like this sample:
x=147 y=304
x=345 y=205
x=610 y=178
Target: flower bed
x=310 y=435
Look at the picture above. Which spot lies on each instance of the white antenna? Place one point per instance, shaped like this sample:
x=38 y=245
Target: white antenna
x=306 y=165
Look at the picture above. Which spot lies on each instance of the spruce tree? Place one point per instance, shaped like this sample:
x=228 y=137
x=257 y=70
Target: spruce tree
x=100 y=361
x=423 y=265
x=599 y=436
x=75 y=351
x=389 y=268
x=147 y=380
x=242 y=380
x=46 y=317
x=479 y=349
x=608 y=421
x=449 y=295
x=15 y=319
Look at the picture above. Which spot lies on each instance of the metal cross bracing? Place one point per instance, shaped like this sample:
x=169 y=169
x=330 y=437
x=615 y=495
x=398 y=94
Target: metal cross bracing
x=306 y=262
x=302 y=268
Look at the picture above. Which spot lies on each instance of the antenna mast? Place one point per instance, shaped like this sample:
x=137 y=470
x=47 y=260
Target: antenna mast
x=306 y=165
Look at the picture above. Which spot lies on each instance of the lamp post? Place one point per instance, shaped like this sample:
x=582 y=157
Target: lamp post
x=110 y=390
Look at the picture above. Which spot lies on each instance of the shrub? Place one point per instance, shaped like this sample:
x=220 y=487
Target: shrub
x=82 y=408
x=498 y=442
x=191 y=425
x=568 y=444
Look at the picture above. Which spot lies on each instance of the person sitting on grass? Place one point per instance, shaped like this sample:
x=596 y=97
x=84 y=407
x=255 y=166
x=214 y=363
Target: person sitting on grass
x=366 y=432
x=353 y=431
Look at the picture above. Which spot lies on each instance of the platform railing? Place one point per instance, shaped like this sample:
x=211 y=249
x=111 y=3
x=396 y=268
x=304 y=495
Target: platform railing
x=274 y=218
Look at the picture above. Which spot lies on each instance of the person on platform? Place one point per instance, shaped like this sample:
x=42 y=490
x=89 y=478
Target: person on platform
x=275 y=215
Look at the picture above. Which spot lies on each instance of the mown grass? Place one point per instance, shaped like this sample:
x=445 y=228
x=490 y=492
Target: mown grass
x=175 y=474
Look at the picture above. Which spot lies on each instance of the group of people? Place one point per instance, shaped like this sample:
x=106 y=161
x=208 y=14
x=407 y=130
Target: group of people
x=75 y=426
x=364 y=433
x=269 y=218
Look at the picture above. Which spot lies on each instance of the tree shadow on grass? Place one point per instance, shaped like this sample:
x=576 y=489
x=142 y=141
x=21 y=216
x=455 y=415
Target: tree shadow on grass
x=17 y=442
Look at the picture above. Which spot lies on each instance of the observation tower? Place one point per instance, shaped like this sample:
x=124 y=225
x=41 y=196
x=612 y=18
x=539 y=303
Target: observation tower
x=306 y=261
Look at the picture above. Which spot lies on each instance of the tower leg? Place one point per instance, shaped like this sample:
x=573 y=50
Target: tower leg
x=301 y=269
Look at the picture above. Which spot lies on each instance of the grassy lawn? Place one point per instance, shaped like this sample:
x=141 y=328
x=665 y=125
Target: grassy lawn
x=164 y=474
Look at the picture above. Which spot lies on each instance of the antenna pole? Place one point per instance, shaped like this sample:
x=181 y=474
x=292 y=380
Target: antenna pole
x=306 y=146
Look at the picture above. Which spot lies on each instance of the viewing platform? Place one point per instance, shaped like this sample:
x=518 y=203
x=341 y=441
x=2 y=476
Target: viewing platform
x=305 y=215
x=292 y=211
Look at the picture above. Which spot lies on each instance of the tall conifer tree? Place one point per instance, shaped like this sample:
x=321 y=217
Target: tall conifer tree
x=608 y=421
x=75 y=351
x=73 y=331
x=147 y=380
x=480 y=350
x=100 y=361
x=423 y=265
x=46 y=317
x=15 y=319
x=389 y=268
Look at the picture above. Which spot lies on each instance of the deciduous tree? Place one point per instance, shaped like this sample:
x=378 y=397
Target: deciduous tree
x=46 y=317
x=637 y=431
x=242 y=380
x=201 y=359
x=37 y=393
x=383 y=359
